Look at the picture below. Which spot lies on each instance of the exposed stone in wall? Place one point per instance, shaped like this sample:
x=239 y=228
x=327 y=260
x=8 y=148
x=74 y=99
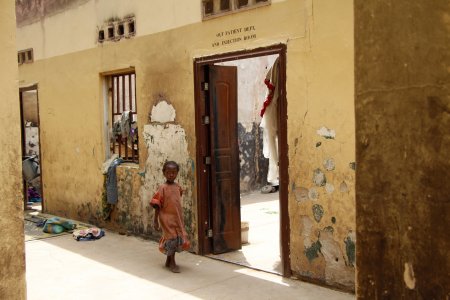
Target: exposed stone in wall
x=325 y=228
x=403 y=141
x=253 y=164
x=131 y=212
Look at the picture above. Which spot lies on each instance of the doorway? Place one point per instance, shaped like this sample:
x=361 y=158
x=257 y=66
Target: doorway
x=237 y=222
x=31 y=149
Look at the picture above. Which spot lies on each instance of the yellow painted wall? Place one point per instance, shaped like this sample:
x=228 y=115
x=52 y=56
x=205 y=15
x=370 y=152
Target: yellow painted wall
x=322 y=83
x=12 y=246
x=319 y=38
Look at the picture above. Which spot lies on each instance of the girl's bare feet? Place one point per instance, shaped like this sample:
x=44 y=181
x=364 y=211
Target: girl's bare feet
x=167 y=262
x=175 y=269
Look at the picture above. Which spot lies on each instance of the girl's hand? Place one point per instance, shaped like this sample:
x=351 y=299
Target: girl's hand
x=156 y=225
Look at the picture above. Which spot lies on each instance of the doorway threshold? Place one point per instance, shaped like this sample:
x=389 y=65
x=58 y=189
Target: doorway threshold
x=237 y=258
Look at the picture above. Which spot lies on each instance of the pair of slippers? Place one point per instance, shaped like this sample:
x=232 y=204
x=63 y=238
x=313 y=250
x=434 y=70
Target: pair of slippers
x=267 y=189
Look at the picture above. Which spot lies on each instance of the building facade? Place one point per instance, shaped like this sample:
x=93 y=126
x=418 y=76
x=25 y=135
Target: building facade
x=152 y=58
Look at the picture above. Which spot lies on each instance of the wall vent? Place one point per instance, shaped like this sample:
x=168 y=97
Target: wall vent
x=25 y=56
x=115 y=30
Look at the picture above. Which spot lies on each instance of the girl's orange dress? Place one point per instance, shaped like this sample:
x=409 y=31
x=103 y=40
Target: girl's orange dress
x=174 y=237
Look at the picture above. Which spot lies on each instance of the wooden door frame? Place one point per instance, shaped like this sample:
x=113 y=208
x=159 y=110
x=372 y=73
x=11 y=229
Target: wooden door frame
x=202 y=170
x=22 y=128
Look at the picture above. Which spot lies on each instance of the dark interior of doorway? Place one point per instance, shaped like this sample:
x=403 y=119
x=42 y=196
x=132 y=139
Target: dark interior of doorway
x=260 y=213
x=31 y=149
x=206 y=236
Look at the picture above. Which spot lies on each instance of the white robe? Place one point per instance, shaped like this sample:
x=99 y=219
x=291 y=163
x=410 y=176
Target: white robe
x=269 y=123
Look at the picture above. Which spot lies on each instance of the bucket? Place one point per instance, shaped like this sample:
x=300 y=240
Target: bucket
x=244 y=232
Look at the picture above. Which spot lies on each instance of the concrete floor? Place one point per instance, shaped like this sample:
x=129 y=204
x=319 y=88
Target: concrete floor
x=262 y=252
x=124 y=267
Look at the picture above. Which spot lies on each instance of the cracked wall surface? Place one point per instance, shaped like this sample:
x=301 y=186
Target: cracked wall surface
x=321 y=147
x=402 y=141
x=12 y=245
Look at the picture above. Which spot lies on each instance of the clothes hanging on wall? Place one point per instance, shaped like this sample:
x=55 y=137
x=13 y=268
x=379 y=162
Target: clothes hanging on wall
x=269 y=123
x=111 y=182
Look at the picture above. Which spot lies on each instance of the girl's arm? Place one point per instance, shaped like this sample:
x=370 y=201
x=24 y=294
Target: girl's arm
x=155 y=219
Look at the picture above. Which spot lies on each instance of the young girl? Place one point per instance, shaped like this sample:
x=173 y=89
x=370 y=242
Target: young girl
x=167 y=205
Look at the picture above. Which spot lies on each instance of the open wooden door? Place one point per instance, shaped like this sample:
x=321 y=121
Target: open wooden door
x=225 y=200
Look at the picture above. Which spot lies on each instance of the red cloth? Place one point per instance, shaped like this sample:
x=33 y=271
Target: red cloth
x=168 y=199
x=269 y=98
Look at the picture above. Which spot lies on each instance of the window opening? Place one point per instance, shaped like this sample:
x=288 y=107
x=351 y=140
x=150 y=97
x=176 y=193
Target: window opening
x=124 y=132
x=110 y=33
x=212 y=8
x=120 y=29
x=101 y=36
x=224 y=5
x=131 y=28
x=242 y=3
x=25 y=56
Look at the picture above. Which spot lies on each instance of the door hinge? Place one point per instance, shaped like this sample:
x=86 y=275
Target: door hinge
x=207 y=160
x=205 y=86
x=209 y=233
x=205 y=120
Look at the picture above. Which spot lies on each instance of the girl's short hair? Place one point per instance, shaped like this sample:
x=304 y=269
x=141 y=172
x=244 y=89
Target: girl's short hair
x=172 y=164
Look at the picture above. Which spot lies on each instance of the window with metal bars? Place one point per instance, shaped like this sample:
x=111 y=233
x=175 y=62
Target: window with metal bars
x=124 y=139
x=213 y=8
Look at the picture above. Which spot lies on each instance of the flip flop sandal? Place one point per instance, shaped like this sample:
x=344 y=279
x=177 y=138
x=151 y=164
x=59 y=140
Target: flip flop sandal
x=268 y=189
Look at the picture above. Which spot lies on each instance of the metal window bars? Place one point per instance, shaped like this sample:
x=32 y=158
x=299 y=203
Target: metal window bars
x=124 y=138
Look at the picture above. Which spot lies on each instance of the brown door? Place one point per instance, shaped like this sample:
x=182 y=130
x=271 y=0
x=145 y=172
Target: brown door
x=225 y=201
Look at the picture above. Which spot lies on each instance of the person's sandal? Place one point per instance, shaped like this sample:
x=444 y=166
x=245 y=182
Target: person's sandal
x=267 y=189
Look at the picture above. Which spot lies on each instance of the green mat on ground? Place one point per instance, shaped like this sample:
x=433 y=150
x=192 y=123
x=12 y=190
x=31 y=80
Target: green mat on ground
x=32 y=232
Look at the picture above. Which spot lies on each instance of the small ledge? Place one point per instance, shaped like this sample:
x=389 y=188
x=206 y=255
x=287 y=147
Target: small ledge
x=129 y=165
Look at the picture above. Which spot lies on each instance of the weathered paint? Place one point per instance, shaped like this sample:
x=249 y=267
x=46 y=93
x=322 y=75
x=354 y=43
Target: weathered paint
x=319 y=178
x=343 y=187
x=408 y=276
x=350 y=247
x=402 y=186
x=323 y=134
x=317 y=211
x=12 y=246
x=336 y=270
x=329 y=188
x=326 y=133
x=313 y=251
x=168 y=142
x=329 y=164
x=313 y=194
x=253 y=164
x=70 y=71
x=301 y=193
x=162 y=112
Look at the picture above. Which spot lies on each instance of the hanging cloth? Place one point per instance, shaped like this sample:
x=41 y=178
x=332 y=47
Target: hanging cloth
x=269 y=122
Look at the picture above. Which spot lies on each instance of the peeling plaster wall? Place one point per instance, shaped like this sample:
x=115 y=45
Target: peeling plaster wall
x=403 y=145
x=321 y=146
x=319 y=92
x=12 y=245
x=168 y=141
x=130 y=215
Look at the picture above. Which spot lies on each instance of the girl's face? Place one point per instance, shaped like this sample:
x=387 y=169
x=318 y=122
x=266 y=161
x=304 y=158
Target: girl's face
x=170 y=173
